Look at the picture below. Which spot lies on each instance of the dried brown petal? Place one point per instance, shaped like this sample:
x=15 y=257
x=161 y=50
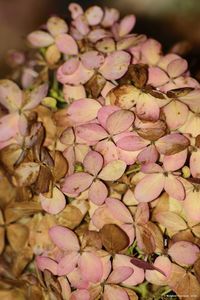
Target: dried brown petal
x=123 y=96
x=114 y=239
x=60 y=166
x=145 y=239
x=187 y=287
x=17 y=235
x=2 y=239
x=91 y=239
x=43 y=181
x=21 y=260
x=197 y=141
x=21 y=209
x=16 y=294
x=179 y=92
x=26 y=174
x=95 y=85
x=197 y=269
x=8 y=192
x=154 y=132
x=138 y=74
x=70 y=217
x=9 y=155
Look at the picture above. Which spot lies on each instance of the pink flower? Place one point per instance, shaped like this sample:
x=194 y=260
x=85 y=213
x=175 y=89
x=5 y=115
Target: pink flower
x=18 y=106
x=159 y=178
x=93 y=177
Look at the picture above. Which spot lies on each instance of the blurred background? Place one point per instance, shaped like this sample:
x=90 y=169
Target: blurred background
x=169 y=21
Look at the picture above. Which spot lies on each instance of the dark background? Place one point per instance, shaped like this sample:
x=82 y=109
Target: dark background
x=169 y=21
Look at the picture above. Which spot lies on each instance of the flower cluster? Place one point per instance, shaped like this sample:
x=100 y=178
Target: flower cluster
x=101 y=153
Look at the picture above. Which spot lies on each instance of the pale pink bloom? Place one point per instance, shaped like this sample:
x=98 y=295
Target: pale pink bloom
x=18 y=106
x=161 y=178
x=93 y=177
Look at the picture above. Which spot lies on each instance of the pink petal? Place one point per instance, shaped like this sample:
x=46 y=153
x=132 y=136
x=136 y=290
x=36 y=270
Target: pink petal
x=75 y=10
x=91 y=267
x=80 y=76
x=177 y=67
x=127 y=156
x=126 y=25
x=132 y=143
x=40 y=39
x=142 y=214
x=119 y=60
x=80 y=295
x=112 y=292
x=108 y=150
x=174 y=162
x=119 y=274
x=166 y=59
x=8 y=126
x=130 y=231
x=81 y=24
x=107 y=88
x=36 y=96
x=192 y=100
x=77 y=183
x=157 y=77
x=119 y=210
x=64 y=238
x=104 y=112
x=87 y=110
x=147 y=108
x=172 y=144
x=56 y=26
x=70 y=157
x=149 y=188
x=67 y=263
x=98 y=192
x=73 y=92
x=94 y=14
x=124 y=261
x=70 y=66
x=111 y=15
x=195 y=164
x=184 y=253
x=106 y=45
x=113 y=170
x=93 y=162
x=55 y=204
x=129 y=41
x=192 y=205
x=151 y=51
x=148 y=155
x=23 y=125
x=174 y=188
x=102 y=216
x=91 y=132
x=81 y=151
x=77 y=279
x=46 y=263
x=119 y=121
x=150 y=168
x=10 y=95
x=67 y=137
x=66 y=44
x=98 y=34
x=176 y=114
x=92 y=59
x=163 y=263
